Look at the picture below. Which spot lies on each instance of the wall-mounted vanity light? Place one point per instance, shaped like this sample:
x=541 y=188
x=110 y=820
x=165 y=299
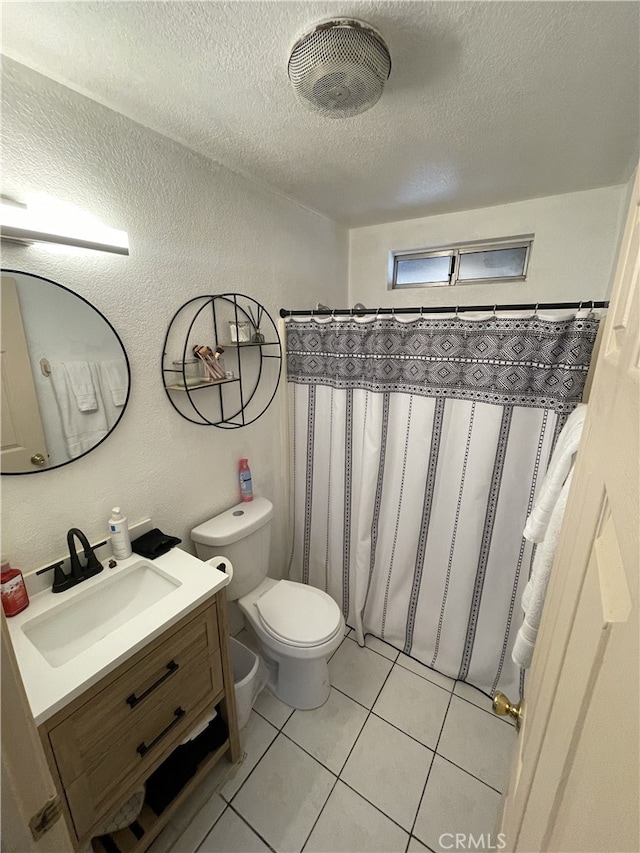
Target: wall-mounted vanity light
x=20 y=224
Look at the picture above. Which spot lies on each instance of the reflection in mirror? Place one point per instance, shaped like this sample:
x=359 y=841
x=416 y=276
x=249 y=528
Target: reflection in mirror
x=65 y=375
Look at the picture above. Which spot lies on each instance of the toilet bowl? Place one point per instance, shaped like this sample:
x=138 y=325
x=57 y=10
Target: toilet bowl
x=298 y=626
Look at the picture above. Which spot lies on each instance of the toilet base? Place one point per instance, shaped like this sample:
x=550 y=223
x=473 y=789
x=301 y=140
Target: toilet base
x=301 y=683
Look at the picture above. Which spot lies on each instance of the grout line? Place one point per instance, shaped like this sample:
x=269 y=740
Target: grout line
x=252 y=828
x=352 y=699
x=271 y=723
x=426 y=781
x=377 y=808
x=402 y=732
x=208 y=832
x=306 y=841
x=249 y=774
x=468 y=772
x=317 y=760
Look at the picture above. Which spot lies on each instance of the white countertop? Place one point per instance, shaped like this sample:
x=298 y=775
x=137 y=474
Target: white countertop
x=49 y=688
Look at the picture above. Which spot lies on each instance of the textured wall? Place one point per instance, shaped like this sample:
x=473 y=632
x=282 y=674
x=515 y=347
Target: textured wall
x=576 y=239
x=193 y=228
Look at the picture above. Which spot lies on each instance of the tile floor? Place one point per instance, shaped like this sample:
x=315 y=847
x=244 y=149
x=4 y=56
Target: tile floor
x=397 y=756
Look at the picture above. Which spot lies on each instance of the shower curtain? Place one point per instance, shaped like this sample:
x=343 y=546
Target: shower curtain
x=417 y=448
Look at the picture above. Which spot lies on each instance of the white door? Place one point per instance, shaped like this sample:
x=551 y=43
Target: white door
x=574 y=782
x=21 y=432
x=27 y=786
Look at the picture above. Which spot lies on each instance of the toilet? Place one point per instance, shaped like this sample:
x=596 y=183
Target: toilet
x=298 y=626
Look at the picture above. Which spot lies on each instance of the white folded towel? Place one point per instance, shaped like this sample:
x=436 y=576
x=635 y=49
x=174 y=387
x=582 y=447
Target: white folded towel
x=115 y=377
x=82 y=430
x=561 y=462
x=536 y=590
x=82 y=385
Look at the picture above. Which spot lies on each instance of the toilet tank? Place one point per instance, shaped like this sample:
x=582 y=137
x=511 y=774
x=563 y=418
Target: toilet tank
x=242 y=535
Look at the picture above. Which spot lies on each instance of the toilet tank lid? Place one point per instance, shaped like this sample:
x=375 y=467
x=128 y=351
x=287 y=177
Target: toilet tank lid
x=234 y=523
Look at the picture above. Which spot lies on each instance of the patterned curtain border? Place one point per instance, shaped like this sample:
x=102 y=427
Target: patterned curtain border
x=530 y=362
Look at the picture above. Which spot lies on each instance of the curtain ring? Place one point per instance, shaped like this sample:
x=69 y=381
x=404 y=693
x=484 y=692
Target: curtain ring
x=535 y=313
x=579 y=308
x=495 y=308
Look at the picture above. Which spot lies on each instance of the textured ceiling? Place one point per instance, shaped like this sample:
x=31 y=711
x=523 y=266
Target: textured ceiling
x=488 y=102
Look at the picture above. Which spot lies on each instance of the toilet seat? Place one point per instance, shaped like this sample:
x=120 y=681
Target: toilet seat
x=298 y=615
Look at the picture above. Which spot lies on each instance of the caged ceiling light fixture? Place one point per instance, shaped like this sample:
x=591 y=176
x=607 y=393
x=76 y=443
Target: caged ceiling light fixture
x=339 y=68
x=20 y=224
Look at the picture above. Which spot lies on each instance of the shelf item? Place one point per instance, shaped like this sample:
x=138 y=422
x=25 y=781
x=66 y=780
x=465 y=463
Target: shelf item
x=252 y=366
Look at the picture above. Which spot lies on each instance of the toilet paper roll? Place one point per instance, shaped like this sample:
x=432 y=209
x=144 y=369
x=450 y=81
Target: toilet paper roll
x=223 y=565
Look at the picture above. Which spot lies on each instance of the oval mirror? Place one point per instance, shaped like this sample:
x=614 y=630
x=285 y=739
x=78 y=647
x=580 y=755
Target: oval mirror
x=65 y=375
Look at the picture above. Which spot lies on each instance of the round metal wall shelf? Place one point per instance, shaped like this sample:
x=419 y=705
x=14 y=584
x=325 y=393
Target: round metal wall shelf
x=252 y=366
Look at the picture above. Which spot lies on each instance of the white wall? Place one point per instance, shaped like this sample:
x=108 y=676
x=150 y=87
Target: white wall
x=194 y=228
x=576 y=237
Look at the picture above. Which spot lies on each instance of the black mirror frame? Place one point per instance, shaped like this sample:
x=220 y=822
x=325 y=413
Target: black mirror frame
x=126 y=358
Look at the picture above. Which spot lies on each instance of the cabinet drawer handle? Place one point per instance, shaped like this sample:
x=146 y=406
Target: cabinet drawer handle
x=143 y=748
x=133 y=700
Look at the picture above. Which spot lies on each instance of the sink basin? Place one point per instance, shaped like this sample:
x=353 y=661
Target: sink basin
x=76 y=624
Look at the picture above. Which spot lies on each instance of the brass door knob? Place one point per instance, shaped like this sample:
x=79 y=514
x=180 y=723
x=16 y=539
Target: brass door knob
x=504 y=708
x=39 y=460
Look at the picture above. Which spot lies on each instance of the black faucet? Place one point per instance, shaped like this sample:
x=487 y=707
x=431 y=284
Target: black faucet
x=93 y=566
x=78 y=573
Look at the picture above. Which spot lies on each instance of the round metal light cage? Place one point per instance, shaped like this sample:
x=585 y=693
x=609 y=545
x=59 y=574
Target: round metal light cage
x=339 y=68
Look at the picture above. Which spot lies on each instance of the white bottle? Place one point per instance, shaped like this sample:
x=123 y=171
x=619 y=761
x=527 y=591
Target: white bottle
x=120 y=539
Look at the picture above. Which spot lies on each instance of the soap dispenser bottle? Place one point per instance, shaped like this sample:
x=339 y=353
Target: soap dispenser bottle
x=12 y=589
x=120 y=539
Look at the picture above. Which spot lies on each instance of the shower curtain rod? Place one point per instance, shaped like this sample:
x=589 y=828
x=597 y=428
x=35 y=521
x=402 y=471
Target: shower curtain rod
x=440 y=309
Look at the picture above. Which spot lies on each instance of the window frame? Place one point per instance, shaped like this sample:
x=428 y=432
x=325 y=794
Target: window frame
x=454 y=251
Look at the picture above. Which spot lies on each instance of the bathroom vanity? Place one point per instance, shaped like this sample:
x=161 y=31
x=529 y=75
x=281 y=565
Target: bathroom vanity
x=110 y=714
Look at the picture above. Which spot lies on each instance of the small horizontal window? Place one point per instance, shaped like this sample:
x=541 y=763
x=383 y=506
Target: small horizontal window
x=468 y=264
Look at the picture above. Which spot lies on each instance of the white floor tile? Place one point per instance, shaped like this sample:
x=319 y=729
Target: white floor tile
x=272 y=708
x=360 y=673
x=205 y=795
x=389 y=769
x=232 y=835
x=455 y=802
x=284 y=795
x=477 y=697
x=413 y=704
x=416 y=846
x=330 y=731
x=164 y=843
x=477 y=742
x=426 y=672
x=378 y=645
x=196 y=830
x=349 y=824
x=255 y=738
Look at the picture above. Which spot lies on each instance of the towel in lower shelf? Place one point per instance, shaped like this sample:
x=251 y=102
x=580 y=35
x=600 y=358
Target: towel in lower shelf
x=174 y=773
